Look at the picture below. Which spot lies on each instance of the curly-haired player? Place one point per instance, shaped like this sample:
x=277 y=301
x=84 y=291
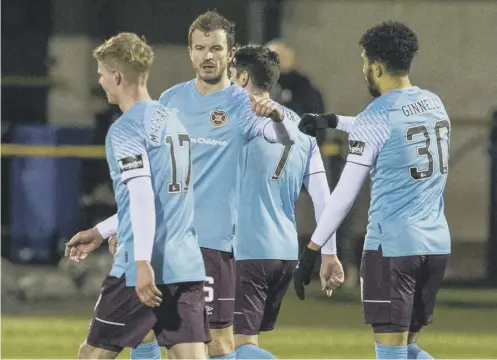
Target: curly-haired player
x=402 y=140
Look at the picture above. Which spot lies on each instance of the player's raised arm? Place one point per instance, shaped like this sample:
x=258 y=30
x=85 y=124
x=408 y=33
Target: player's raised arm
x=313 y=123
x=279 y=128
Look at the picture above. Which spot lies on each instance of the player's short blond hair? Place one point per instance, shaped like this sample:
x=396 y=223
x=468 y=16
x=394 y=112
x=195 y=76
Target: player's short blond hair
x=127 y=53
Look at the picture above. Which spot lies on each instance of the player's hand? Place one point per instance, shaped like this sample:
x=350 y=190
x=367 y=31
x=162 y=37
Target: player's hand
x=145 y=285
x=265 y=107
x=112 y=244
x=331 y=273
x=303 y=271
x=82 y=244
x=314 y=124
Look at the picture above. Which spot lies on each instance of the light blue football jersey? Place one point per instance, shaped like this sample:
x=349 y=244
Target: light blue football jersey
x=149 y=140
x=404 y=136
x=271 y=177
x=219 y=125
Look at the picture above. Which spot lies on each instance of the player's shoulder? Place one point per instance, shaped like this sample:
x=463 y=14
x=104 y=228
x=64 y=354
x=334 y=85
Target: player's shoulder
x=133 y=117
x=238 y=95
x=425 y=93
x=384 y=103
x=176 y=90
x=159 y=118
x=434 y=100
x=378 y=112
x=155 y=111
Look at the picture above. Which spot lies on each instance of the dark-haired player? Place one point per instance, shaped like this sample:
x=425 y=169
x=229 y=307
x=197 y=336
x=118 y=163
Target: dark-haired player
x=269 y=183
x=402 y=140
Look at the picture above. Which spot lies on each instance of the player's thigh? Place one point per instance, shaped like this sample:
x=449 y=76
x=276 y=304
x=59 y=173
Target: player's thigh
x=181 y=317
x=120 y=319
x=429 y=282
x=219 y=286
x=388 y=287
x=251 y=294
x=281 y=276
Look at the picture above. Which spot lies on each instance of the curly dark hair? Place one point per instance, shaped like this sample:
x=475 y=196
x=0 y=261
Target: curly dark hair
x=393 y=44
x=261 y=63
x=212 y=21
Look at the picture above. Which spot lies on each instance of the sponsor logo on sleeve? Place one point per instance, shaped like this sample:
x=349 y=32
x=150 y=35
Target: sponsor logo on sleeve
x=356 y=147
x=130 y=163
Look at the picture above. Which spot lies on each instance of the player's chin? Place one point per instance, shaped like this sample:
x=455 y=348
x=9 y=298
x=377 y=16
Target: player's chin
x=212 y=78
x=111 y=100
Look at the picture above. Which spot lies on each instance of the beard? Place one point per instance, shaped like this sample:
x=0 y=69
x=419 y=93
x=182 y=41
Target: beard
x=213 y=77
x=372 y=88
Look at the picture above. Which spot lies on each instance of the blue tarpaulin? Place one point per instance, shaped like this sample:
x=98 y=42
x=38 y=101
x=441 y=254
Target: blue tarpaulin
x=44 y=194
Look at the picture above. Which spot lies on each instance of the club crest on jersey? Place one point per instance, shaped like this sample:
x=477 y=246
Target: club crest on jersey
x=130 y=163
x=356 y=147
x=218 y=117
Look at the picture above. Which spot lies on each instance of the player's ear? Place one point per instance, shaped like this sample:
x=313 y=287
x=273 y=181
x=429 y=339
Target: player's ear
x=378 y=69
x=118 y=78
x=244 y=77
x=231 y=54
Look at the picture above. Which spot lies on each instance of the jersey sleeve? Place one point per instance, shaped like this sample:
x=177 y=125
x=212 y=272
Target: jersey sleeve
x=369 y=133
x=330 y=247
x=108 y=227
x=128 y=146
x=345 y=123
x=142 y=216
x=339 y=202
x=315 y=180
x=252 y=126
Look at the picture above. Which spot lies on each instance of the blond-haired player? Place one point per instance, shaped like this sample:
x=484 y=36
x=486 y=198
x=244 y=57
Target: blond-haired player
x=156 y=281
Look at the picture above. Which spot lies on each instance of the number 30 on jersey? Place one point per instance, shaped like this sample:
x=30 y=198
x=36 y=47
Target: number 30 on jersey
x=442 y=132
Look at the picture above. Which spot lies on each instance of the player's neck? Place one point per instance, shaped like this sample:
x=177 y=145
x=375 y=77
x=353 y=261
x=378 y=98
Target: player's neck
x=204 y=88
x=260 y=93
x=132 y=95
x=395 y=83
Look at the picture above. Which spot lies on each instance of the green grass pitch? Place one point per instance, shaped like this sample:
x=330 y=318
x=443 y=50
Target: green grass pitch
x=465 y=327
